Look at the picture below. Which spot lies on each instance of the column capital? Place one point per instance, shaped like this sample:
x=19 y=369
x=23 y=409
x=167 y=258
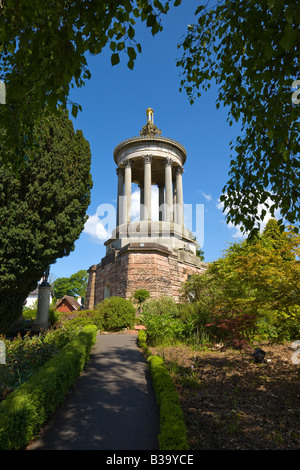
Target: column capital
x=128 y=162
x=168 y=161
x=147 y=158
x=179 y=170
x=119 y=171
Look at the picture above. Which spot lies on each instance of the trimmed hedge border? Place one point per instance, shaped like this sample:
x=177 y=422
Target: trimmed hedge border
x=25 y=410
x=173 y=434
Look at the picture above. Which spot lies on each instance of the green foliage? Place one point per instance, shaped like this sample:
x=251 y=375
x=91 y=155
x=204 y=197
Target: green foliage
x=42 y=212
x=160 y=317
x=115 y=313
x=142 y=342
x=173 y=435
x=26 y=409
x=25 y=355
x=43 y=50
x=141 y=295
x=74 y=285
x=251 y=51
x=252 y=290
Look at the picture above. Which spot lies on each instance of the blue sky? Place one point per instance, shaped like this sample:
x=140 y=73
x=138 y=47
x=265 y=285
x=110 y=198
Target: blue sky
x=114 y=103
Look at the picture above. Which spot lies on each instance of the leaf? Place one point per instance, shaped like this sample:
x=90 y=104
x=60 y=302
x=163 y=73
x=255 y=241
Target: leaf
x=74 y=110
x=115 y=59
x=131 y=53
x=113 y=46
x=130 y=64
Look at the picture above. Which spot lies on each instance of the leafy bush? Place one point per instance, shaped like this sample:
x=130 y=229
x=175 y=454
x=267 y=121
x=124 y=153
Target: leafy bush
x=25 y=355
x=279 y=325
x=173 y=435
x=161 y=306
x=160 y=317
x=115 y=313
x=141 y=295
x=26 y=409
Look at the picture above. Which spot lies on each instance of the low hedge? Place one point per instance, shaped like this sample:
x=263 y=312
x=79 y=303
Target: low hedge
x=25 y=410
x=173 y=434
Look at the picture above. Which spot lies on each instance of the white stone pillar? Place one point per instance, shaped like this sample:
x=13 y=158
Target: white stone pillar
x=147 y=186
x=175 y=200
x=179 y=198
x=42 y=317
x=168 y=186
x=128 y=178
x=120 y=215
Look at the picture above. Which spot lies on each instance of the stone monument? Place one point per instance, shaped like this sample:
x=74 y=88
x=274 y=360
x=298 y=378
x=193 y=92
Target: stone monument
x=42 y=317
x=157 y=255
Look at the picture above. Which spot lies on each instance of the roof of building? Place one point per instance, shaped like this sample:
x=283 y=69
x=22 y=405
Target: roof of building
x=73 y=302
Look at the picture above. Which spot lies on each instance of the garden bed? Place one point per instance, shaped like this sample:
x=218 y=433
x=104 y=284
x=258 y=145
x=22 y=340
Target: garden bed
x=230 y=402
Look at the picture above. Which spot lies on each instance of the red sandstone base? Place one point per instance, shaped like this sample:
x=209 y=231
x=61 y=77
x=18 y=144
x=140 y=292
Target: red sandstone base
x=149 y=266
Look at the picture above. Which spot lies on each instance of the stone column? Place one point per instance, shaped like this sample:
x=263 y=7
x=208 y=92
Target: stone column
x=168 y=186
x=120 y=215
x=161 y=201
x=127 y=215
x=42 y=317
x=89 y=301
x=175 y=200
x=147 y=186
x=179 y=198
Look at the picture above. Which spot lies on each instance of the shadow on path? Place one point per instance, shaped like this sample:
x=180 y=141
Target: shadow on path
x=112 y=407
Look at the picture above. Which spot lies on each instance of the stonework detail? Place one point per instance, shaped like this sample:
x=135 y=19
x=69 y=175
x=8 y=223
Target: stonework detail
x=151 y=267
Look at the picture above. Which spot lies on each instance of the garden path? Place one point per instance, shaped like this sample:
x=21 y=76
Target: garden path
x=112 y=406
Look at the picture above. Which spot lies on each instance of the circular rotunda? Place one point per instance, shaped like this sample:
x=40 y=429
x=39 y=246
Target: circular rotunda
x=155 y=252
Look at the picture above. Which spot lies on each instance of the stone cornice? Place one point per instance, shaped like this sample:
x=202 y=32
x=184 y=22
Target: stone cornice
x=141 y=139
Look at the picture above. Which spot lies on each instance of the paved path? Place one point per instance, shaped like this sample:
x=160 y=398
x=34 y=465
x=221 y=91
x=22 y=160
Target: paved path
x=112 y=406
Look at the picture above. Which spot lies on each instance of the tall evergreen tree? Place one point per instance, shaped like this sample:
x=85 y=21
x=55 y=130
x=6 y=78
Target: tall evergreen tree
x=42 y=211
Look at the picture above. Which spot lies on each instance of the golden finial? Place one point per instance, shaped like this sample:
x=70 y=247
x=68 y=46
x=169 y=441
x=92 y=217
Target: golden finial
x=150 y=115
x=150 y=129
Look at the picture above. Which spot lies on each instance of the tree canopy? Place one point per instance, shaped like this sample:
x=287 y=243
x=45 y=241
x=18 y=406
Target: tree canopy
x=254 y=280
x=43 y=52
x=43 y=211
x=250 y=50
x=75 y=285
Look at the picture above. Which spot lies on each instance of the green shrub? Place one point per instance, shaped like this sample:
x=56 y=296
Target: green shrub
x=173 y=434
x=115 y=313
x=26 y=409
x=279 y=325
x=141 y=295
x=142 y=342
x=160 y=317
x=163 y=305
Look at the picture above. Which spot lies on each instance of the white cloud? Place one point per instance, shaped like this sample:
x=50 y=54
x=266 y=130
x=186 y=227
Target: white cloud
x=95 y=228
x=207 y=196
x=135 y=204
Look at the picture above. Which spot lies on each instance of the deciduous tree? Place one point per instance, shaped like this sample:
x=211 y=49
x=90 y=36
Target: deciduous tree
x=250 y=50
x=74 y=285
x=43 y=52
